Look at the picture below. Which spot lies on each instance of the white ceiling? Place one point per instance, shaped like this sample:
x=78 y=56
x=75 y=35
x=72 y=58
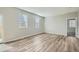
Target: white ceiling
x=50 y=11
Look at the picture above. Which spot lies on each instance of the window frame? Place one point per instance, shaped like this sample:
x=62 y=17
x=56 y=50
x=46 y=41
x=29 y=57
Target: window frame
x=37 y=22
x=22 y=23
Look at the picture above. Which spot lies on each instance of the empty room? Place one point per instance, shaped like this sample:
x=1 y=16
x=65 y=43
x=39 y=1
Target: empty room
x=39 y=29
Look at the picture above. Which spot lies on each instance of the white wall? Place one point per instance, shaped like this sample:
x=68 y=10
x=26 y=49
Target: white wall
x=58 y=24
x=11 y=28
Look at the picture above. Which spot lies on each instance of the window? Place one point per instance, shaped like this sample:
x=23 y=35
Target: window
x=23 y=21
x=72 y=23
x=37 y=22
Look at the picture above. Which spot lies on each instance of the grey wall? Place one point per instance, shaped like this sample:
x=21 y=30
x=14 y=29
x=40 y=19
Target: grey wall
x=58 y=24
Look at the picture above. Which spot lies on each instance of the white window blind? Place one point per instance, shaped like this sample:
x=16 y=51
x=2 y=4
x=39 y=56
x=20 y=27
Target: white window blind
x=23 y=21
x=25 y=17
x=37 y=22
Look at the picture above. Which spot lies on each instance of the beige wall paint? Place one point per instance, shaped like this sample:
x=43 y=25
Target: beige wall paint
x=58 y=24
x=1 y=27
x=10 y=25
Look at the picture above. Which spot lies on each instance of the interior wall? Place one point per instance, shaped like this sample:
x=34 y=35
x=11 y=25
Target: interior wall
x=53 y=24
x=10 y=24
x=1 y=27
x=58 y=24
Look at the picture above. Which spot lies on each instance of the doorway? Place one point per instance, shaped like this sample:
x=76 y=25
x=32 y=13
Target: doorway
x=71 y=27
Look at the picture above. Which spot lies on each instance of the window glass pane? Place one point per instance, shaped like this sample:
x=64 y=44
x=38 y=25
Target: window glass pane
x=72 y=23
x=23 y=21
x=37 y=22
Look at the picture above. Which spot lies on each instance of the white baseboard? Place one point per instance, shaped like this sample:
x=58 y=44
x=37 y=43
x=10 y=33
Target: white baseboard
x=19 y=38
x=57 y=33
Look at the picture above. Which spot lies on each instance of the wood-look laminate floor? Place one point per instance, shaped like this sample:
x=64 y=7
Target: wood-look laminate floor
x=44 y=43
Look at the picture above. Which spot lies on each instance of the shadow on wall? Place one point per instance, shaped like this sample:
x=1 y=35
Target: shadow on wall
x=0 y=31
